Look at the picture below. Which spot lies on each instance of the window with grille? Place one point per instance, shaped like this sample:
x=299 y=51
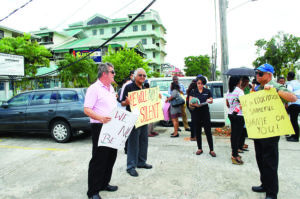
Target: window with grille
x=144 y=27
x=101 y=31
x=144 y=41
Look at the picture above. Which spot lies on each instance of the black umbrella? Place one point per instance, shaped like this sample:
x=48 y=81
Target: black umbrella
x=243 y=71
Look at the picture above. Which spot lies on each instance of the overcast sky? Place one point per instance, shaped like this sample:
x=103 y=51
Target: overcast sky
x=190 y=24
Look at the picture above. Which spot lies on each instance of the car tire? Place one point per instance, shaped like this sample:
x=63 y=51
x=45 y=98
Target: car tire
x=168 y=123
x=61 y=132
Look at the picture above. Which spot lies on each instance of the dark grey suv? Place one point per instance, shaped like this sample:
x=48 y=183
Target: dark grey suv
x=58 y=111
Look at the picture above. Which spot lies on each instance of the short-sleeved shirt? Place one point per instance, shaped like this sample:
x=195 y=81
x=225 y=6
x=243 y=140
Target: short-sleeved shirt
x=294 y=86
x=206 y=94
x=100 y=99
x=233 y=99
x=278 y=86
x=122 y=90
x=129 y=88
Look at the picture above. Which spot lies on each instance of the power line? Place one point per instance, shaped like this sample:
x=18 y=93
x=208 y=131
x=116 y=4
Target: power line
x=122 y=8
x=115 y=35
x=72 y=14
x=15 y=10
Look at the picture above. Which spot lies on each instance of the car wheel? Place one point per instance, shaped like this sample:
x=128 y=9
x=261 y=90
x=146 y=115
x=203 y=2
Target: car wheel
x=166 y=123
x=61 y=132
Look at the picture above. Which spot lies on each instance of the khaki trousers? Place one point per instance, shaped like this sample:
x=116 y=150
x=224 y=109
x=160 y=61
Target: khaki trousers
x=184 y=117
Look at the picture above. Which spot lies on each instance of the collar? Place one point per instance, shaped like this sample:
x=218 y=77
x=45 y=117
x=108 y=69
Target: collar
x=102 y=85
x=134 y=84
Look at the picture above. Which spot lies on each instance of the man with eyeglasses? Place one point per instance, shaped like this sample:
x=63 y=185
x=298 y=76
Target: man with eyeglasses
x=266 y=149
x=183 y=107
x=137 y=148
x=100 y=100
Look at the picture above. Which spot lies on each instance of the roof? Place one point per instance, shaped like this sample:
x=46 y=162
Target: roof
x=85 y=44
x=46 y=31
x=78 y=32
x=33 y=36
x=44 y=70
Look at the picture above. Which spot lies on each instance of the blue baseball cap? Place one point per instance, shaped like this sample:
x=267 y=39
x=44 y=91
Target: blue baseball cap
x=266 y=68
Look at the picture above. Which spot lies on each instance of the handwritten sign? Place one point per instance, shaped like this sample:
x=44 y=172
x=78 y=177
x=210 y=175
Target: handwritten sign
x=115 y=133
x=147 y=101
x=265 y=115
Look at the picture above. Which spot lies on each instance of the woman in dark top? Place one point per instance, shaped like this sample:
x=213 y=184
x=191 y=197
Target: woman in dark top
x=175 y=112
x=192 y=86
x=201 y=114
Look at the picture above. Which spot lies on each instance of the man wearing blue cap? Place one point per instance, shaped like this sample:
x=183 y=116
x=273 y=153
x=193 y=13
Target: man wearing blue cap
x=266 y=149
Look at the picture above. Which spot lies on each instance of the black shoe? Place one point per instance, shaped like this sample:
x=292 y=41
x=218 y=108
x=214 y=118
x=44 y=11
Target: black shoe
x=258 y=189
x=95 y=197
x=110 y=188
x=175 y=136
x=245 y=150
x=188 y=129
x=146 y=166
x=179 y=129
x=292 y=139
x=133 y=173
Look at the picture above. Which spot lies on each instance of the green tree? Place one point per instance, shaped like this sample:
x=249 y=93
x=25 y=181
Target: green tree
x=155 y=74
x=124 y=61
x=34 y=54
x=197 y=65
x=282 y=52
x=80 y=74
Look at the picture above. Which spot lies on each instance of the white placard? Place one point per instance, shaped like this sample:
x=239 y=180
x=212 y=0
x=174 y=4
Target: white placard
x=115 y=133
x=11 y=64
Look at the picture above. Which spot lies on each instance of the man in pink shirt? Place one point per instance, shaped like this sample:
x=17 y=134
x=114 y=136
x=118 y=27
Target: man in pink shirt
x=100 y=100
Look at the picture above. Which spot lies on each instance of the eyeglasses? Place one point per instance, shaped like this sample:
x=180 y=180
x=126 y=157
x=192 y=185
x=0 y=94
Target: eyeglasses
x=112 y=72
x=259 y=74
x=141 y=75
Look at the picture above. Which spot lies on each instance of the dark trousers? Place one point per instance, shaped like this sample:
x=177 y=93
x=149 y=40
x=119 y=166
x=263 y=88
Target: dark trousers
x=237 y=125
x=199 y=119
x=101 y=164
x=192 y=126
x=266 y=151
x=294 y=111
x=242 y=138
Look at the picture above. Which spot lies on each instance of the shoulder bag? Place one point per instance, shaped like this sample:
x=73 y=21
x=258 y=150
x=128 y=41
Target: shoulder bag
x=178 y=101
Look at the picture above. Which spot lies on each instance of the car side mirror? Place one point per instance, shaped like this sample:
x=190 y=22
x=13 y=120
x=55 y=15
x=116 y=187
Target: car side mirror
x=4 y=104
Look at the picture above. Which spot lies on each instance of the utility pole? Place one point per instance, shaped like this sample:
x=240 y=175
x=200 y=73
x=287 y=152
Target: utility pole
x=213 y=61
x=224 y=43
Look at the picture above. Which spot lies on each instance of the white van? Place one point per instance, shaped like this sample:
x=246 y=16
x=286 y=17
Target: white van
x=216 y=88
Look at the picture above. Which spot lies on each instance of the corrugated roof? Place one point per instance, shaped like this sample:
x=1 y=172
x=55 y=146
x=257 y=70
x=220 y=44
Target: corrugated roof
x=95 y=42
x=44 y=70
x=71 y=32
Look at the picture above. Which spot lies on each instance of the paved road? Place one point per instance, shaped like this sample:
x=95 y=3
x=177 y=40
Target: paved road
x=34 y=166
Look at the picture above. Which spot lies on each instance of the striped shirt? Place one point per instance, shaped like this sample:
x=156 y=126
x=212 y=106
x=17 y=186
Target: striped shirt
x=233 y=99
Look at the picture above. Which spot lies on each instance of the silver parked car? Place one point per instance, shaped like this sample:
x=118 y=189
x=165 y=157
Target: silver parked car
x=216 y=88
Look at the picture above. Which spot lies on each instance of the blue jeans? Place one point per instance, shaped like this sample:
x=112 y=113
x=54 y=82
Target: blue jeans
x=137 y=147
